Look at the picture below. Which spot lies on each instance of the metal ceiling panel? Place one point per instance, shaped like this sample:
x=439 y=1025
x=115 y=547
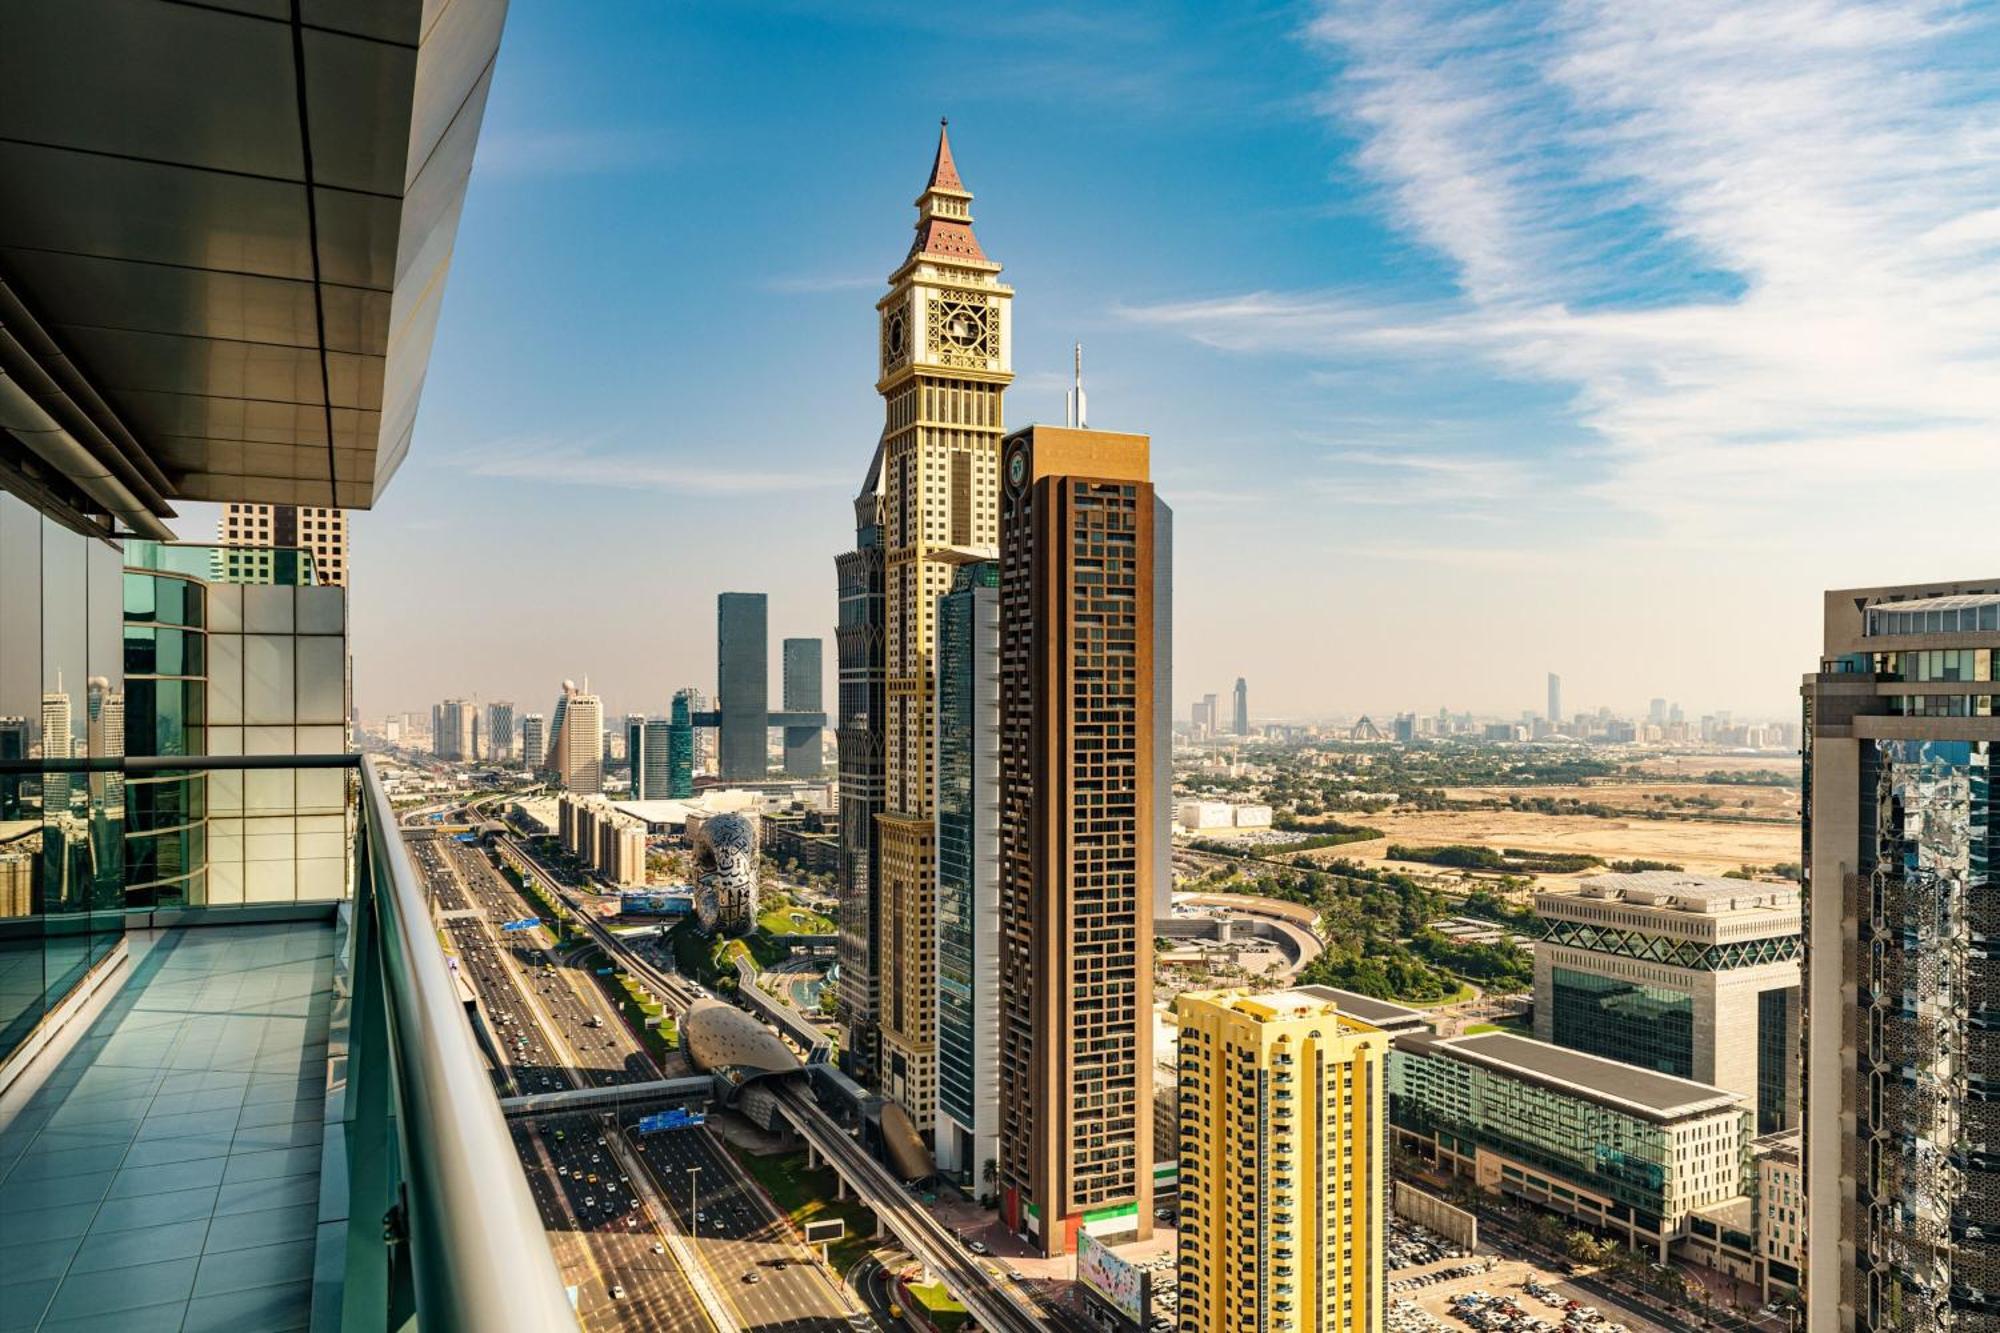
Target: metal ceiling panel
x=235 y=218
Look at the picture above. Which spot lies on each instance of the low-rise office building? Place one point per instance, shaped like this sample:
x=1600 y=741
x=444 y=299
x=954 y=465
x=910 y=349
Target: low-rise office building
x=1625 y=1150
x=1687 y=975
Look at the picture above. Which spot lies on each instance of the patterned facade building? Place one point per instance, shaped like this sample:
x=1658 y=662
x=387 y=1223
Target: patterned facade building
x=1077 y=821
x=945 y=364
x=1902 y=996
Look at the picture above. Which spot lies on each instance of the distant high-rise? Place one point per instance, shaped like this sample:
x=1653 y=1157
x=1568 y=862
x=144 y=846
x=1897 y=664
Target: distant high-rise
x=1201 y=718
x=968 y=910
x=58 y=742
x=320 y=532
x=1283 y=1163
x=945 y=363
x=635 y=752
x=1077 y=807
x=550 y=762
x=500 y=730
x=580 y=758
x=1242 y=719
x=534 y=738
x=1656 y=712
x=1555 y=698
x=803 y=691
x=680 y=746
x=653 y=768
x=1902 y=907
x=1211 y=714
x=452 y=730
x=743 y=685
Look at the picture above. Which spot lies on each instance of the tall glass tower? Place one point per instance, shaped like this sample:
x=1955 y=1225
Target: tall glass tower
x=1902 y=997
x=743 y=684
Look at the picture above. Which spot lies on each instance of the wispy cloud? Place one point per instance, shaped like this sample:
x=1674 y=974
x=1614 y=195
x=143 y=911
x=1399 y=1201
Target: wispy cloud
x=572 y=464
x=1757 y=243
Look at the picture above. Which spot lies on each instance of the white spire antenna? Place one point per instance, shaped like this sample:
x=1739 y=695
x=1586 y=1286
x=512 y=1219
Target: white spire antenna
x=1076 y=411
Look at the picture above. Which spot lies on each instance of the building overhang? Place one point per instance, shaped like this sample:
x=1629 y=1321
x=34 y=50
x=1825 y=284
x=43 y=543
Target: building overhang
x=224 y=233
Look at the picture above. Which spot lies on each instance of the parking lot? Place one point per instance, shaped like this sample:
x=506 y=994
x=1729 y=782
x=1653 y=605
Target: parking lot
x=1439 y=1305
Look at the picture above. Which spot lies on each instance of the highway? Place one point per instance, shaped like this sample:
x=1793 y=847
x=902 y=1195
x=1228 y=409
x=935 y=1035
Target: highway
x=744 y=1235
x=603 y=1242
x=993 y=1300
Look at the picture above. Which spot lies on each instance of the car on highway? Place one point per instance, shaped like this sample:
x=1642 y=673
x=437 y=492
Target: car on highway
x=617 y=1291
x=753 y=1278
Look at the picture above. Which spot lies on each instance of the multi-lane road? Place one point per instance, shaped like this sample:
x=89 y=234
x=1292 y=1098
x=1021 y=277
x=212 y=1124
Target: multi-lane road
x=553 y=1029
x=980 y=1284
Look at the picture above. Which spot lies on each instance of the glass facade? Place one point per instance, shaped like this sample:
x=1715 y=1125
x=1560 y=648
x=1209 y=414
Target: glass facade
x=743 y=682
x=958 y=800
x=680 y=748
x=1648 y=1026
x=62 y=697
x=1965 y=615
x=1776 y=1034
x=166 y=698
x=1930 y=935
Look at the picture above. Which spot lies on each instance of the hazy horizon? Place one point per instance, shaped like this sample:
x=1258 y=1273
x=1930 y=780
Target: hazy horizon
x=1474 y=343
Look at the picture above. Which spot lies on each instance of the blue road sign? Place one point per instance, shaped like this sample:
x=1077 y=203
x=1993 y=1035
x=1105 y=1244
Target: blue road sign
x=525 y=923
x=674 y=1119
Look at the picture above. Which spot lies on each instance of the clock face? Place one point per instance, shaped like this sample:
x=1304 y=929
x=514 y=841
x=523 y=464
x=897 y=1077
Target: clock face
x=895 y=336
x=1017 y=469
x=962 y=330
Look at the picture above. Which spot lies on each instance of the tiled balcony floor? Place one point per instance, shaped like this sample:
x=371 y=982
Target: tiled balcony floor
x=166 y=1175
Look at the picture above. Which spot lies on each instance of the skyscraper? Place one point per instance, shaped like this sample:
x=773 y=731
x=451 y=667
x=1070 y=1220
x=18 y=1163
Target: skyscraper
x=500 y=730
x=1077 y=806
x=743 y=685
x=1555 y=698
x=968 y=909
x=1656 y=712
x=320 y=532
x=653 y=769
x=635 y=752
x=580 y=762
x=858 y=731
x=534 y=739
x=1211 y=713
x=945 y=365
x=452 y=730
x=550 y=762
x=1242 y=719
x=680 y=746
x=1902 y=1182
x=1163 y=718
x=58 y=742
x=804 y=689
x=1283 y=1155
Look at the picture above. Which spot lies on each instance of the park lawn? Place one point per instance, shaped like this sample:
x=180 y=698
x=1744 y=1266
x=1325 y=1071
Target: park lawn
x=1459 y=996
x=794 y=921
x=807 y=1195
x=938 y=1303
x=1518 y=1029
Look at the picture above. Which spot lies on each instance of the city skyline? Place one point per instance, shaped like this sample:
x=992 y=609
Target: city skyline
x=1305 y=330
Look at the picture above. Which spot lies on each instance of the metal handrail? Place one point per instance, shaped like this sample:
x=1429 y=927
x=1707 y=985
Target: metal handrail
x=478 y=1254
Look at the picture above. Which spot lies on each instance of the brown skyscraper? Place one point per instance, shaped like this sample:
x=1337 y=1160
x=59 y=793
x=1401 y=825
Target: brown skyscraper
x=1076 y=831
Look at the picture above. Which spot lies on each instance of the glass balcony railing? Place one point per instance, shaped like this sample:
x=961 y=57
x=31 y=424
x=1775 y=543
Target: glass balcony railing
x=339 y=1019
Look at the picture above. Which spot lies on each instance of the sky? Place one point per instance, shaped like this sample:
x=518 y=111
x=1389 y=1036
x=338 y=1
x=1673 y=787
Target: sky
x=1476 y=341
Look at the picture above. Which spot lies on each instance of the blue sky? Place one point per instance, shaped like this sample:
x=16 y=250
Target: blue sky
x=1475 y=341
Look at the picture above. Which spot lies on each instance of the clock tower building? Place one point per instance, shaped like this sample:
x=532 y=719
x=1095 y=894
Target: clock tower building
x=946 y=361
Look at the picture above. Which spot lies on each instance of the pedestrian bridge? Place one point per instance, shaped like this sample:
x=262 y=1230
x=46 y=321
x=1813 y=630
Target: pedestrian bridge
x=695 y=1088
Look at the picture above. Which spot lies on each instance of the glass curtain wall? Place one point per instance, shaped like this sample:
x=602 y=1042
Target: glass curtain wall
x=166 y=668
x=62 y=697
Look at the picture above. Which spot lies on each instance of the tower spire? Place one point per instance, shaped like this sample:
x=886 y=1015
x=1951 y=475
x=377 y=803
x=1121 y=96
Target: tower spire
x=1076 y=411
x=944 y=214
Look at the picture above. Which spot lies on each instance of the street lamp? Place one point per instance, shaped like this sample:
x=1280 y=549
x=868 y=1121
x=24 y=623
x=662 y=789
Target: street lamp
x=693 y=1226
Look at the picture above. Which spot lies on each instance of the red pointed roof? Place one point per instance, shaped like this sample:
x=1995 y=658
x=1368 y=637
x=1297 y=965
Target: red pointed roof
x=944 y=172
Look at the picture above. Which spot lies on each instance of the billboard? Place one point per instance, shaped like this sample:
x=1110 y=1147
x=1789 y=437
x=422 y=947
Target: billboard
x=825 y=1230
x=676 y=1118
x=652 y=902
x=1111 y=1280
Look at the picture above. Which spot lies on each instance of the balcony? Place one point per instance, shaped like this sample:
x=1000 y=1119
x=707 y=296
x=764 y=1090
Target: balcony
x=269 y=1117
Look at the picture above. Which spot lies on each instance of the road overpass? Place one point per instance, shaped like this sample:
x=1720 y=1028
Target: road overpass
x=698 y=1088
x=981 y=1290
